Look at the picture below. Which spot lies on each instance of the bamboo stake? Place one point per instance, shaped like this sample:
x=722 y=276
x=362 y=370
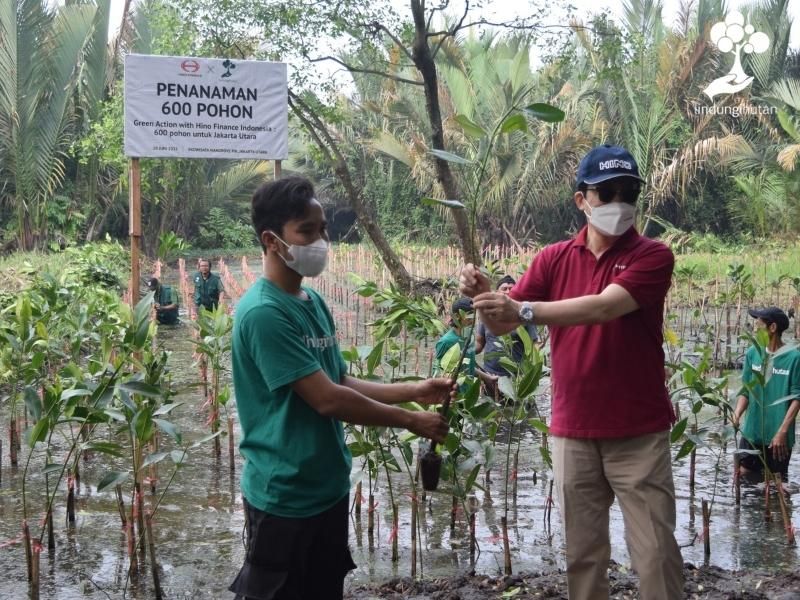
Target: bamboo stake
x=506 y=547
x=737 y=480
x=37 y=550
x=692 y=461
x=767 y=482
x=787 y=524
x=153 y=563
x=140 y=517
x=472 y=541
x=51 y=534
x=395 y=555
x=231 y=445
x=514 y=476
x=453 y=511
x=26 y=540
x=12 y=441
x=121 y=506
x=706 y=530
x=358 y=499
x=70 y=499
x=371 y=516
x=414 y=508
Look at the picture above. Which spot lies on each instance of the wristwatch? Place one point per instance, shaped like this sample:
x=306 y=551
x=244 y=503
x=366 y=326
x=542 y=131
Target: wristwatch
x=526 y=313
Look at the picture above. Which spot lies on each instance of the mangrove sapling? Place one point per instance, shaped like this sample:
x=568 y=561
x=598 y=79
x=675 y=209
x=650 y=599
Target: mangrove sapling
x=213 y=345
x=519 y=387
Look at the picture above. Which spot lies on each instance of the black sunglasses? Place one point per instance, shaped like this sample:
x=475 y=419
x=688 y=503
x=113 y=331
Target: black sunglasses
x=629 y=192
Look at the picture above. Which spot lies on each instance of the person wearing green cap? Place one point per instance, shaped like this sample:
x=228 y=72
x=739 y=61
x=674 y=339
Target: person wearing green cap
x=766 y=408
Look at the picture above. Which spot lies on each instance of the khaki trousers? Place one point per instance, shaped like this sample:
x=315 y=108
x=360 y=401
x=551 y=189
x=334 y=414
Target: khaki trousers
x=589 y=473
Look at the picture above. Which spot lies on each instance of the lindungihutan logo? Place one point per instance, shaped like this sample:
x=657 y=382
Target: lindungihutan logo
x=733 y=36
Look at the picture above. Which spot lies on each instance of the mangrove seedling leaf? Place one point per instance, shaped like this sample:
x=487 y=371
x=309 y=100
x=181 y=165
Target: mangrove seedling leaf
x=545 y=112
x=169 y=428
x=677 y=430
x=204 y=439
x=686 y=449
x=33 y=403
x=114 y=478
x=141 y=388
x=154 y=458
x=785 y=399
x=52 y=468
x=109 y=448
x=539 y=425
x=514 y=122
x=39 y=432
x=177 y=456
x=470 y=128
x=166 y=409
x=449 y=361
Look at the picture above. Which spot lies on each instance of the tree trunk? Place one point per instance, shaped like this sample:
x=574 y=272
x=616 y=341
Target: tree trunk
x=424 y=61
x=327 y=144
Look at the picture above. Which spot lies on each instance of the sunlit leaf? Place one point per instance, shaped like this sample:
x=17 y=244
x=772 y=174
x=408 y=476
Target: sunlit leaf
x=450 y=157
x=447 y=203
x=471 y=129
x=515 y=122
x=545 y=112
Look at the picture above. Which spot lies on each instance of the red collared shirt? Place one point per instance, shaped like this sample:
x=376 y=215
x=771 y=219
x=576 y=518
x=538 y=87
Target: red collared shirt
x=608 y=379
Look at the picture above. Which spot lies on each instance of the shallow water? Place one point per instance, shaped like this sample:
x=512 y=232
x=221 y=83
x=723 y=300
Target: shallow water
x=198 y=526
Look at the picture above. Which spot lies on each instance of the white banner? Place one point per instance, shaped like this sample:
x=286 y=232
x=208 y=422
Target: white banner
x=205 y=108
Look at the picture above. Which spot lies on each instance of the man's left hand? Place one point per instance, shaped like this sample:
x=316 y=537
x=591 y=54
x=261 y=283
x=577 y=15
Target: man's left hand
x=780 y=451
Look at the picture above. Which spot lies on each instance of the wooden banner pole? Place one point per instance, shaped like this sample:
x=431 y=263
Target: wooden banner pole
x=135 y=227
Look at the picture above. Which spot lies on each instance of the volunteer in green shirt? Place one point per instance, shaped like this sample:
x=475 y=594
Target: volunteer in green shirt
x=769 y=427
x=165 y=300
x=207 y=286
x=292 y=394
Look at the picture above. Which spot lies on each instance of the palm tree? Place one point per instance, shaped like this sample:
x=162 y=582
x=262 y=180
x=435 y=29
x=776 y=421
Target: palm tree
x=42 y=57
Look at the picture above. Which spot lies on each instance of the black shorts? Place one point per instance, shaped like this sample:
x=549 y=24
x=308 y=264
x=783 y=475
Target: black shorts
x=753 y=462
x=295 y=559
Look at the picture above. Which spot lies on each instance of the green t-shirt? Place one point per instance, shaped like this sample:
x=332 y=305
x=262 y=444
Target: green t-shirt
x=761 y=420
x=446 y=342
x=296 y=461
x=165 y=296
x=207 y=291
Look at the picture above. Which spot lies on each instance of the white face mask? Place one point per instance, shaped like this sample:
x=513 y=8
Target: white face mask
x=614 y=218
x=309 y=260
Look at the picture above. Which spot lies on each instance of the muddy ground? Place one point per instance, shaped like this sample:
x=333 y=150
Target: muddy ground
x=701 y=583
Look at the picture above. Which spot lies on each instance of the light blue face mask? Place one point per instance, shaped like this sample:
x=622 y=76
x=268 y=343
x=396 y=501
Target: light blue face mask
x=309 y=260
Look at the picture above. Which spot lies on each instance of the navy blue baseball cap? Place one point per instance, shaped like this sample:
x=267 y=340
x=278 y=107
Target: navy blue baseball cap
x=606 y=162
x=771 y=315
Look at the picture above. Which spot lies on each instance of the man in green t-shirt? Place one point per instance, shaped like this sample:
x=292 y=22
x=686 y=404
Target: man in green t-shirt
x=292 y=394
x=207 y=286
x=165 y=301
x=769 y=426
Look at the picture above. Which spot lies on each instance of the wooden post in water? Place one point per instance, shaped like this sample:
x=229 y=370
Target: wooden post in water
x=26 y=540
x=371 y=518
x=414 y=509
x=767 y=486
x=121 y=506
x=506 y=547
x=706 y=530
x=152 y=548
x=692 y=460
x=395 y=532
x=70 y=499
x=472 y=542
x=737 y=480
x=453 y=512
x=231 y=445
x=515 y=476
x=787 y=523
x=135 y=225
x=37 y=550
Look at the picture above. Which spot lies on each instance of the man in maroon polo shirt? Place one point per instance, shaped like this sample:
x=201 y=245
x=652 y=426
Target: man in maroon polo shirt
x=602 y=296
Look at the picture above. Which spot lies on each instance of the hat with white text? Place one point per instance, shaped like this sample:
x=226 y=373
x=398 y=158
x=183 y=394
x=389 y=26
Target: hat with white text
x=771 y=315
x=606 y=162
